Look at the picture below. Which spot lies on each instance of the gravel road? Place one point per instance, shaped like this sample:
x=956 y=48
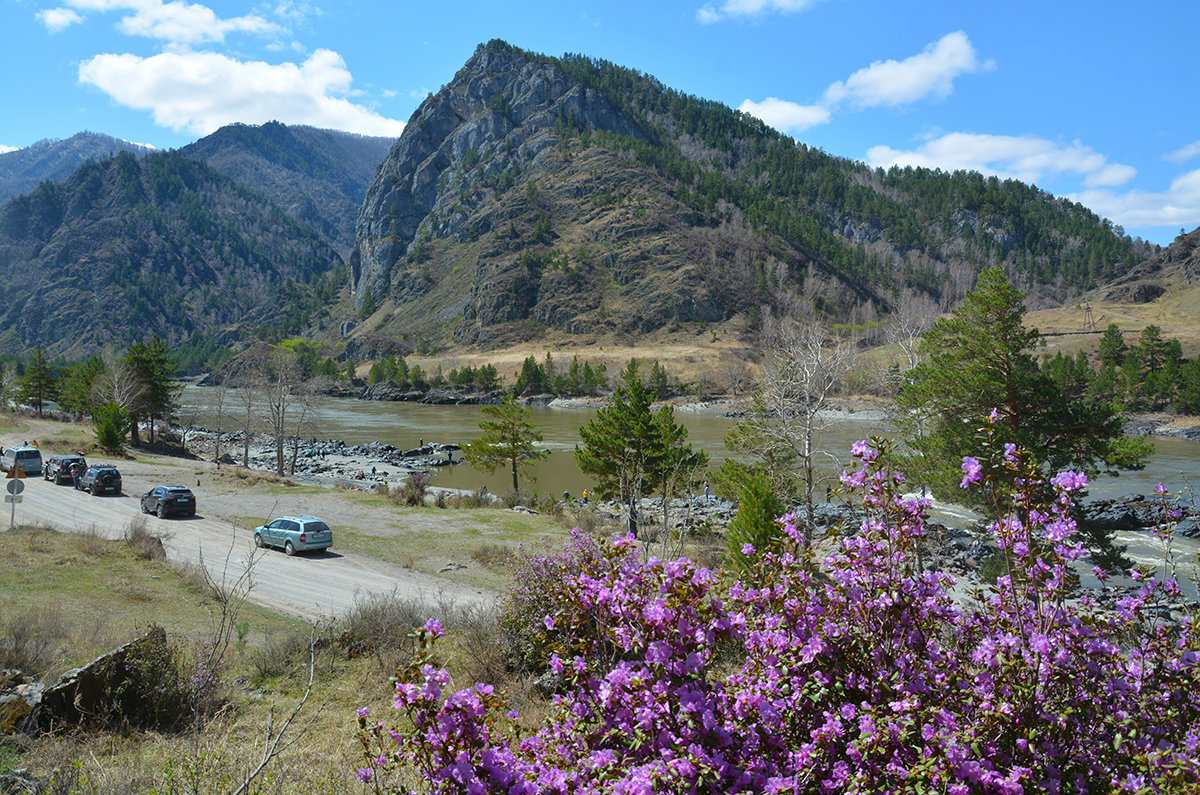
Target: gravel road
x=309 y=586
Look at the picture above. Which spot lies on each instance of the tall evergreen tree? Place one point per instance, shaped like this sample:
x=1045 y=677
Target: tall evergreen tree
x=39 y=383
x=981 y=359
x=632 y=451
x=154 y=369
x=509 y=439
x=1112 y=346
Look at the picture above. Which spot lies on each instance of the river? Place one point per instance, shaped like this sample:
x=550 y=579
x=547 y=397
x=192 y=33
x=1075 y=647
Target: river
x=1176 y=462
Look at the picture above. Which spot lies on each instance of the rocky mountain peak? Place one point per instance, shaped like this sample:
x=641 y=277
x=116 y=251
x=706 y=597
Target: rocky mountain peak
x=497 y=116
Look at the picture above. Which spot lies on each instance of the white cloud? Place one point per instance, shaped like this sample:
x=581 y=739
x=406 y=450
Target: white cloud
x=786 y=116
x=1184 y=153
x=710 y=13
x=892 y=83
x=200 y=92
x=176 y=22
x=56 y=19
x=1176 y=207
x=1026 y=158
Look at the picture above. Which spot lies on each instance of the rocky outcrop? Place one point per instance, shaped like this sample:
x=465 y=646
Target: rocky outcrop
x=501 y=108
x=99 y=689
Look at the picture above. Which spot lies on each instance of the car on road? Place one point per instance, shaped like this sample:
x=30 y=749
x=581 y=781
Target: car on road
x=58 y=467
x=294 y=534
x=28 y=457
x=168 y=500
x=100 y=478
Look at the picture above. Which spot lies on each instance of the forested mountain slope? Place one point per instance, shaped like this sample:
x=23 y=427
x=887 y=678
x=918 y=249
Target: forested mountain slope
x=24 y=169
x=319 y=177
x=533 y=194
x=163 y=245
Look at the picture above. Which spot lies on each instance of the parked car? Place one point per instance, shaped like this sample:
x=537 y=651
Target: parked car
x=294 y=534
x=97 y=479
x=166 y=500
x=28 y=457
x=58 y=467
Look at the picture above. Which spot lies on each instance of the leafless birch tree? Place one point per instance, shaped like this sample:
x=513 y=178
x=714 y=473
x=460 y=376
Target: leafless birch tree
x=803 y=369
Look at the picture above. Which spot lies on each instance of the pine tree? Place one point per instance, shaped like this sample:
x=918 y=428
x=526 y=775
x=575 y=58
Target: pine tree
x=509 y=438
x=154 y=369
x=980 y=360
x=1112 y=346
x=39 y=383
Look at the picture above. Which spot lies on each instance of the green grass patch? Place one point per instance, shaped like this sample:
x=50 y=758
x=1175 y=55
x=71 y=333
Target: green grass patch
x=91 y=594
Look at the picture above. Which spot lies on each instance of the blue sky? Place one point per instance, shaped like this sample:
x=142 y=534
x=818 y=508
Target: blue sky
x=1098 y=101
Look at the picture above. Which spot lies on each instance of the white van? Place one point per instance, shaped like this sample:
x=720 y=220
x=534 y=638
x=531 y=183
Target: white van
x=30 y=459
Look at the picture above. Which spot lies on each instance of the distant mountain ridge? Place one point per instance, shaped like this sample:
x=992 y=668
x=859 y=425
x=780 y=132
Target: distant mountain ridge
x=319 y=177
x=165 y=245
x=534 y=195
x=22 y=170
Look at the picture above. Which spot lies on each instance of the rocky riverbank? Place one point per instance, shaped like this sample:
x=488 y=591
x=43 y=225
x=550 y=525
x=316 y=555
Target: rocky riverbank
x=327 y=461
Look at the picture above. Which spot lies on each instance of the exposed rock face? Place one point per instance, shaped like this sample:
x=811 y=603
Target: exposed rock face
x=500 y=106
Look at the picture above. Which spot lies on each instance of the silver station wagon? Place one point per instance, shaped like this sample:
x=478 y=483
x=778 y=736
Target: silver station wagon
x=294 y=534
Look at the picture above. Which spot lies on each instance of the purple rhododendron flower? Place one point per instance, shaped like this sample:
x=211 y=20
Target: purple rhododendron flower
x=1070 y=481
x=973 y=470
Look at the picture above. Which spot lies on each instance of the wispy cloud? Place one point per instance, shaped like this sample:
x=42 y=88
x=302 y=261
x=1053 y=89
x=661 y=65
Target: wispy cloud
x=1184 y=153
x=711 y=13
x=175 y=22
x=1175 y=208
x=57 y=19
x=930 y=73
x=784 y=115
x=1027 y=158
x=892 y=83
x=200 y=92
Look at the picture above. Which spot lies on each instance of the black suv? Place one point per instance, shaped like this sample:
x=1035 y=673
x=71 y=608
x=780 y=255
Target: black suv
x=166 y=500
x=100 y=478
x=58 y=467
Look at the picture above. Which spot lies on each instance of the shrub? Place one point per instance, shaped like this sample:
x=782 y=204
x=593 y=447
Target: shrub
x=413 y=490
x=30 y=639
x=860 y=674
x=146 y=544
x=380 y=625
x=112 y=424
x=540 y=594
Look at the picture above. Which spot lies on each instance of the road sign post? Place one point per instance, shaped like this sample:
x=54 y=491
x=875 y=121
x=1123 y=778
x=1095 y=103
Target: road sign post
x=15 y=487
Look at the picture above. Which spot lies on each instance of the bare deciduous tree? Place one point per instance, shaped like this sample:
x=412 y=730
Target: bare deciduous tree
x=803 y=369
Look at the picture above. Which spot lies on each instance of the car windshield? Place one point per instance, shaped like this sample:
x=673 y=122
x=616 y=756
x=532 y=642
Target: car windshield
x=316 y=527
x=179 y=491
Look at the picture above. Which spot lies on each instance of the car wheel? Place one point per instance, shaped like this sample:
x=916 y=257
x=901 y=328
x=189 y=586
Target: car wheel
x=162 y=512
x=288 y=549
x=92 y=490
x=258 y=542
